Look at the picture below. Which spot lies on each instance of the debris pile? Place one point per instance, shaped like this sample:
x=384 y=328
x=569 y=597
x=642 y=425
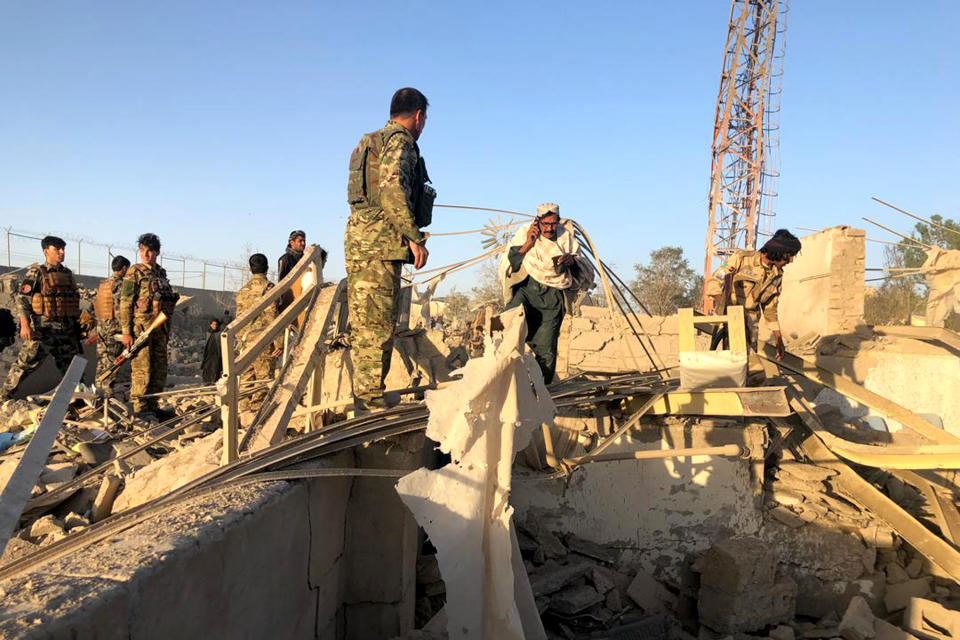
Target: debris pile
x=583 y=591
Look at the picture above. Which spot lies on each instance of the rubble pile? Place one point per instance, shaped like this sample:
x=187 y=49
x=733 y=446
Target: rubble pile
x=583 y=591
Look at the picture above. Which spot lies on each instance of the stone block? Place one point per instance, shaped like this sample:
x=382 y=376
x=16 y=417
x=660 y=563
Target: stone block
x=574 y=599
x=650 y=595
x=857 y=622
x=898 y=595
x=737 y=563
x=552 y=577
x=749 y=609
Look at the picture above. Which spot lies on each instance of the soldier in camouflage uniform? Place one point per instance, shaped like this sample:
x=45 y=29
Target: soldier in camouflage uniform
x=390 y=201
x=48 y=310
x=247 y=297
x=106 y=306
x=752 y=279
x=146 y=292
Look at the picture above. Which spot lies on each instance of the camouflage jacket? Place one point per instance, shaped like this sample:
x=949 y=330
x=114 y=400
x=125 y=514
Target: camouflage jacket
x=145 y=292
x=755 y=286
x=32 y=284
x=247 y=297
x=381 y=231
x=108 y=328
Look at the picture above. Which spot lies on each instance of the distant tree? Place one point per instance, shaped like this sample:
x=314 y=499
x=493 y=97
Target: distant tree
x=488 y=290
x=456 y=307
x=667 y=282
x=899 y=297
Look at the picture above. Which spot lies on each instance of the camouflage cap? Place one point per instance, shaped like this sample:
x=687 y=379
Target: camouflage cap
x=548 y=208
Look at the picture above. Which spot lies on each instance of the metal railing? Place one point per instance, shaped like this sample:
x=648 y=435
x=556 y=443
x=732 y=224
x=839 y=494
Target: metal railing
x=307 y=276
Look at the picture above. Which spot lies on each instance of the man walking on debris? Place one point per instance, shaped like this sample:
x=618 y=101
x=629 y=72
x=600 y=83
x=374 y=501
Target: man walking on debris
x=145 y=293
x=211 y=366
x=248 y=296
x=106 y=306
x=390 y=201
x=543 y=271
x=752 y=279
x=296 y=244
x=48 y=310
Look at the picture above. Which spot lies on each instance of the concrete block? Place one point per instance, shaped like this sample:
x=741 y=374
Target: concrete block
x=857 y=622
x=749 y=609
x=574 y=599
x=552 y=577
x=650 y=595
x=898 y=595
x=736 y=563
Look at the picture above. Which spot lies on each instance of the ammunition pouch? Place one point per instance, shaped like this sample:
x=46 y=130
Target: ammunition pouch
x=423 y=206
x=363 y=181
x=58 y=298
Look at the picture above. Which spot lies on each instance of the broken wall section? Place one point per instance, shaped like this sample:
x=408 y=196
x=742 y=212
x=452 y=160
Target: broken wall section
x=823 y=288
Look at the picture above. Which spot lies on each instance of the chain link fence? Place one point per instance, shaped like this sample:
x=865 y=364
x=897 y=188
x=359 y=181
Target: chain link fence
x=91 y=258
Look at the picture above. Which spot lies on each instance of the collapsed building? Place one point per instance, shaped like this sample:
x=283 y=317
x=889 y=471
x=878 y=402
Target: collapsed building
x=614 y=504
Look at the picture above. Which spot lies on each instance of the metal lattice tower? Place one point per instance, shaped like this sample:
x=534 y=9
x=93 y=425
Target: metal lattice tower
x=745 y=159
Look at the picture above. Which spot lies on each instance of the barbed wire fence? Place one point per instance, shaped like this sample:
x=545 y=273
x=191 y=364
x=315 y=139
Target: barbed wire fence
x=92 y=258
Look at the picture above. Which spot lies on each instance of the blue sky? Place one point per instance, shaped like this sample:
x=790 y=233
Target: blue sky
x=223 y=125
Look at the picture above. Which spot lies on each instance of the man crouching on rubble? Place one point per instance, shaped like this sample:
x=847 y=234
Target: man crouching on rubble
x=753 y=279
x=543 y=271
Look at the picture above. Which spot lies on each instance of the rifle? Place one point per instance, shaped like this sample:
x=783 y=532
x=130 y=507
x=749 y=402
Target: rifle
x=136 y=346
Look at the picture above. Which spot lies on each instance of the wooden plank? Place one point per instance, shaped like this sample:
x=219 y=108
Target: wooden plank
x=271 y=331
x=288 y=390
x=20 y=485
x=737 y=402
x=849 y=483
x=229 y=412
x=847 y=387
x=685 y=334
x=930 y=334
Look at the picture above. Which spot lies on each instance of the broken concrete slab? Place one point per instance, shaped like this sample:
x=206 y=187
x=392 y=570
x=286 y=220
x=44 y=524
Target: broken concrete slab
x=929 y=620
x=857 y=622
x=737 y=563
x=552 y=577
x=899 y=595
x=749 y=609
x=650 y=595
x=574 y=599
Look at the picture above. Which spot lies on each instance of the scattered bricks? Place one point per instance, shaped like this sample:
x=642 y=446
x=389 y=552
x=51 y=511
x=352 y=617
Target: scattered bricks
x=73 y=520
x=736 y=563
x=898 y=595
x=857 y=623
x=650 y=595
x=749 y=609
x=552 y=577
x=47 y=528
x=574 y=599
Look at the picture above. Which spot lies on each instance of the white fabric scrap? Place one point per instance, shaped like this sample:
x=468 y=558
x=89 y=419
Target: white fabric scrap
x=482 y=421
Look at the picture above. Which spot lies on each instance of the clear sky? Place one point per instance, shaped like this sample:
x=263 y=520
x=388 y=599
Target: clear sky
x=223 y=125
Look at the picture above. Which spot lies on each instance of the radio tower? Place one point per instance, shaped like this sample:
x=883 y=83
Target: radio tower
x=745 y=161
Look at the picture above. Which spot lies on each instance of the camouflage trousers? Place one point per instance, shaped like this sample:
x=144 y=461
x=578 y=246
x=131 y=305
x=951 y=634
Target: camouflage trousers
x=148 y=369
x=261 y=369
x=373 y=287
x=59 y=342
x=108 y=350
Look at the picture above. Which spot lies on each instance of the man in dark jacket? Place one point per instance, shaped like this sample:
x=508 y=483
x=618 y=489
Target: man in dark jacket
x=212 y=365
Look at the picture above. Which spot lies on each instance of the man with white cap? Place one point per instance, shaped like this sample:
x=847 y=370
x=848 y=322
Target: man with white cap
x=543 y=270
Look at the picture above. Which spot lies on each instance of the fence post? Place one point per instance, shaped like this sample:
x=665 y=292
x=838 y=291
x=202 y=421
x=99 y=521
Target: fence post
x=79 y=246
x=183 y=272
x=224 y=287
x=9 y=255
x=204 y=284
